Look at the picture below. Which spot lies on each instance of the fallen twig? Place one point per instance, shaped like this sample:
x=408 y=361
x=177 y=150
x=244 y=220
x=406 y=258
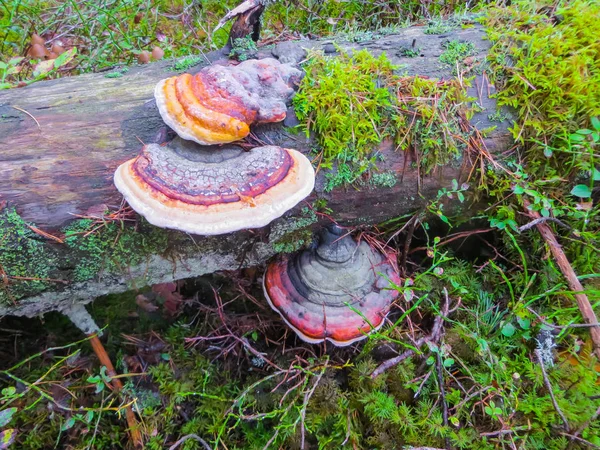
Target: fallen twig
x=440 y=379
x=539 y=220
x=549 y=387
x=117 y=386
x=434 y=336
x=583 y=302
x=190 y=436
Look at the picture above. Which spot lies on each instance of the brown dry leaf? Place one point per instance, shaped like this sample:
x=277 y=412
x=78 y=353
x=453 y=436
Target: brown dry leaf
x=143 y=302
x=172 y=298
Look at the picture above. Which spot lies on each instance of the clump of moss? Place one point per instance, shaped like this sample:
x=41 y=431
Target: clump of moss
x=354 y=102
x=455 y=52
x=345 y=101
x=243 y=49
x=25 y=258
x=110 y=246
x=291 y=237
x=547 y=65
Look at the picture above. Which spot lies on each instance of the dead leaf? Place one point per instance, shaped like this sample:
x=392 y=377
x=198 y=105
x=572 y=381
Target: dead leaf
x=143 y=302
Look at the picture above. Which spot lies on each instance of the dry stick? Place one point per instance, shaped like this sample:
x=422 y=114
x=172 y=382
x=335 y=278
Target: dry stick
x=117 y=385
x=440 y=379
x=431 y=337
x=190 y=436
x=538 y=353
x=587 y=312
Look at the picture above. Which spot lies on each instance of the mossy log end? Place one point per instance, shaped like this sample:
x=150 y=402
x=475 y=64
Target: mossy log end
x=90 y=124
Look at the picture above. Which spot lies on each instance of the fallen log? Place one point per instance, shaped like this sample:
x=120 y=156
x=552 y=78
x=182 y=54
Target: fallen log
x=61 y=141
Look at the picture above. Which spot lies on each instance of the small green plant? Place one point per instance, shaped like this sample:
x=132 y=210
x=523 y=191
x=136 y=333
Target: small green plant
x=493 y=411
x=455 y=53
x=11 y=72
x=243 y=49
x=186 y=62
x=117 y=73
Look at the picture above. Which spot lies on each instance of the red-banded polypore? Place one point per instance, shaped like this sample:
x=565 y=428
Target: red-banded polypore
x=218 y=104
x=338 y=292
x=186 y=187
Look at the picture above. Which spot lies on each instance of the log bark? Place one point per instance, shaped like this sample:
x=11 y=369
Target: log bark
x=61 y=165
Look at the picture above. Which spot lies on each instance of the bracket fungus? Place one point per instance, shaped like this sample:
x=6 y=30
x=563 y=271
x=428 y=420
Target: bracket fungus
x=197 y=190
x=338 y=292
x=218 y=104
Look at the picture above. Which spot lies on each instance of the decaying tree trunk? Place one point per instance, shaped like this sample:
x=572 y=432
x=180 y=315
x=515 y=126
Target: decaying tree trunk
x=61 y=141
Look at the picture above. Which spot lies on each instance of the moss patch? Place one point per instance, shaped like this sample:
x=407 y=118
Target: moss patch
x=353 y=102
x=30 y=263
x=26 y=258
x=289 y=237
x=547 y=65
x=110 y=246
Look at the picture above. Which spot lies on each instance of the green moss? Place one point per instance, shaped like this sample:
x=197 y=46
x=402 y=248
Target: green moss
x=383 y=179
x=25 y=258
x=186 y=62
x=30 y=263
x=288 y=237
x=548 y=69
x=354 y=102
x=110 y=246
x=456 y=51
x=243 y=49
x=117 y=73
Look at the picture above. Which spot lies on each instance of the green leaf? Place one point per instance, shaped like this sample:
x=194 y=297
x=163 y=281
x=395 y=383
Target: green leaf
x=3 y=65
x=15 y=61
x=448 y=362
x=508 y=330
x=461 y=197
x=525 y=324
x=43 y=68
x=584 y=131
x=9 y=391
x=68 y=424
x=454 y=184
x=5 y=85
x=595 y=121
x=6 y=416
x=7 y=437
x=65 y=58
x=576 y=138
x=582 y=191
x=547 y=152
x=596 y=175
x=518 y=190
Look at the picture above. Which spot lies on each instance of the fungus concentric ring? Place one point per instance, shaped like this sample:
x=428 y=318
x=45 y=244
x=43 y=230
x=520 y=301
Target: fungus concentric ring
x=187 y=188
x=339 y=292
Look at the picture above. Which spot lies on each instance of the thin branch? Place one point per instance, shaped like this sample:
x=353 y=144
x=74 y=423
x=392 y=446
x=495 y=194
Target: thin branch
x=440 y=380
x=190 y=436
x=434 y=336
x=563 y=263
x=549 y=387
x=535 y=222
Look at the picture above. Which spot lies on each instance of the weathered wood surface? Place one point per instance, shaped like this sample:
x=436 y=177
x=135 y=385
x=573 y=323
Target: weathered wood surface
x=90 y=124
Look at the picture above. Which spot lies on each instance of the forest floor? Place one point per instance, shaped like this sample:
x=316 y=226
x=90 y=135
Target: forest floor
x=486 y=346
